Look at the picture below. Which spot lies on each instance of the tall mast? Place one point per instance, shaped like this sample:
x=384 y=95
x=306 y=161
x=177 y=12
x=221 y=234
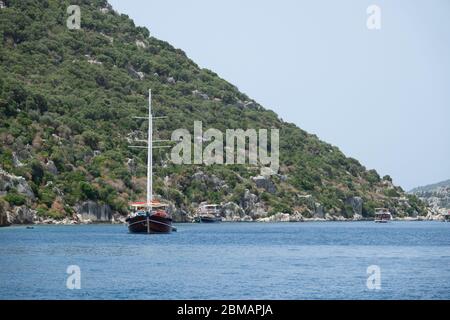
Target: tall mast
x=150 y=151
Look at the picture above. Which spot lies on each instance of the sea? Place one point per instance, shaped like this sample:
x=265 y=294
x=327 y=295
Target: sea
x=311 y=260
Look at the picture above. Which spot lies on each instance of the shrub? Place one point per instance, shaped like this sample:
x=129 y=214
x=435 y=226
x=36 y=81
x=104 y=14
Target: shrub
x=88 y=191
x=15 y=198
x=391 y=193
x=44 y=212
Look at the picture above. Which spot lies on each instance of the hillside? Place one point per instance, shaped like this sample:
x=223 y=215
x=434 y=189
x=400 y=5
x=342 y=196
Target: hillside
x=436 y=195
x=67 y=98
x=431 y=187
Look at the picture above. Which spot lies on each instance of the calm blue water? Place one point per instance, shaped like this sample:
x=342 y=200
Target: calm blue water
x=228 y=261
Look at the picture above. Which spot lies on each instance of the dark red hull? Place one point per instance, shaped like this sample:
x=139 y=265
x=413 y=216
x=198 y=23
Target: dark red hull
x=149 y=224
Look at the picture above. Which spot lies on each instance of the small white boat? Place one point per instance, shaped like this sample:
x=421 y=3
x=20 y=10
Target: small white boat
x=382 y=215
x=209 y=213
x=447 y=216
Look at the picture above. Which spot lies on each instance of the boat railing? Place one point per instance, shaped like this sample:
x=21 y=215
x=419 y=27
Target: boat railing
x=209 y=209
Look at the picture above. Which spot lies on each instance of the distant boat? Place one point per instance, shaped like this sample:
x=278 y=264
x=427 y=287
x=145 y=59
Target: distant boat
x=149 y=216
x=447 y=216
x=209 y=213
x=382 y=215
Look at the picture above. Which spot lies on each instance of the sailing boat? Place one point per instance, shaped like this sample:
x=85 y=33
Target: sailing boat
x=149 y=216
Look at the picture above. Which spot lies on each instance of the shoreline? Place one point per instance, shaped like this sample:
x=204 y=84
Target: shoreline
x=73 y=223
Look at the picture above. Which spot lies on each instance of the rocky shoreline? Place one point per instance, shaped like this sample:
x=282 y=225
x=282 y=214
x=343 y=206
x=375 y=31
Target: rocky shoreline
x=248 y=208
x=91 y=213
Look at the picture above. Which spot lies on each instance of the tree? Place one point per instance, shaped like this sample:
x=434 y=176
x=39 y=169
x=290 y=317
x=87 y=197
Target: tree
x=88 y=191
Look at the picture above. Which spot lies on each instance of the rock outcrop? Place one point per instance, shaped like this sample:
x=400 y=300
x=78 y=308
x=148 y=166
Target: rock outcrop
x=9 y=181
x=252 y=205
x=199 y=94
x=209 y=181
x=91 y=211
x=179 y=214
x=3 y=215
x=356 y=203
x=51 y=167
x=278 y=217
x=265 y=183
x=22 y=215
x=232 y=212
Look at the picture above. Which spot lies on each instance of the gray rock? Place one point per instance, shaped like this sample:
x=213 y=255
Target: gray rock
x=21 y=215
x=178 y=214
x=171 y=80
x=140 y=44
x=3 y=214
x=201 y=95
x=209 y=181
x=332 y=217
x=318 y=211
x=296 y=217
x=252 y=205
x=240 y=104
x=10 y=181
x=250 y=104
x=118 y=218
x=356 y=203
x=94 y=212
x=50 y=165
x=135 y=74
x=132 y=166
x=231 y=211
x=277 y=217
x=24 y=153
x=16 y=160
x=93 y=61
x=265 y=183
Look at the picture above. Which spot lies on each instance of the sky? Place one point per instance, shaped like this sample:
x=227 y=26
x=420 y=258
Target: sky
x=381 y=96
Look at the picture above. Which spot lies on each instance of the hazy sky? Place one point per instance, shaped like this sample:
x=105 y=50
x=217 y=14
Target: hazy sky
x=381 y=96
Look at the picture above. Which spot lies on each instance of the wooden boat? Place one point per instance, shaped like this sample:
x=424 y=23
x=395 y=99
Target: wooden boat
x=149 y=216
x=382 y=215
x=209 y=213
x=155 y=220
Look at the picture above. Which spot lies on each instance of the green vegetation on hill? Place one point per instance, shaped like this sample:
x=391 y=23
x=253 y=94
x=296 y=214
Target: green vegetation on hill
x=67 y=98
